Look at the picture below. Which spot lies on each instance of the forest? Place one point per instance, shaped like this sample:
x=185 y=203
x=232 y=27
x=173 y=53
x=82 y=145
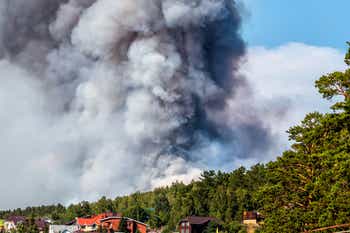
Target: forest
x=307 y=187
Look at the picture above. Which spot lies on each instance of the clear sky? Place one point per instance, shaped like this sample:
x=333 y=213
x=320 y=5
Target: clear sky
x=272 y=23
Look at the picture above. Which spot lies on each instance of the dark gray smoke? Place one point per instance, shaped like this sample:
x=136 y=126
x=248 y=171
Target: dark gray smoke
x=117 y=96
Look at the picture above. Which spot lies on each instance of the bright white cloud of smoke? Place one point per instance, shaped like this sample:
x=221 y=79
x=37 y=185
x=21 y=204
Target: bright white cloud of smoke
x=105 y=97
x=283 y=82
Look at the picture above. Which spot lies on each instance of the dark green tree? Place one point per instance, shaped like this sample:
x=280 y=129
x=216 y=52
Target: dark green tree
x=123 y=227
x=309 y=186
x=211 y=228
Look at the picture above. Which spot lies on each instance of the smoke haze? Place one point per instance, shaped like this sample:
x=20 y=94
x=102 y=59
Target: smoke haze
x=106 y=97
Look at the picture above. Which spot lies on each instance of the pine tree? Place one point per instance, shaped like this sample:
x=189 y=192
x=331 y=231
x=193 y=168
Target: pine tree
x=123 y=227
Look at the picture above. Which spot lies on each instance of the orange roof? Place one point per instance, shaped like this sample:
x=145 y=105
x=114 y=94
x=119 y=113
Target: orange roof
x=95 y=219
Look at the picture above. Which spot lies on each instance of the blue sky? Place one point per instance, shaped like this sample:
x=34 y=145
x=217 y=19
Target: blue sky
x=271 y=23
x=291 y=43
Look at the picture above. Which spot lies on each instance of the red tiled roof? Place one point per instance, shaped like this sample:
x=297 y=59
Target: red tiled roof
x=195 y=220
x=96 y=219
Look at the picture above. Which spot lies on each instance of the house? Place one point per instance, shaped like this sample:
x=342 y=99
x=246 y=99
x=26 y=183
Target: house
x=92 y=223
x=112 y=224
x=12 y=222
x=63 y=228
x=252 y=219
x=195 y=224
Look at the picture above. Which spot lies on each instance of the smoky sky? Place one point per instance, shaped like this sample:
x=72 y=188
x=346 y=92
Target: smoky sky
x=106 y=97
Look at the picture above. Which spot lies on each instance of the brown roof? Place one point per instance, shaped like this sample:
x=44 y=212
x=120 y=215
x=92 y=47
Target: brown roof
x=126 y=218
x=250 y=215
x=196 y=220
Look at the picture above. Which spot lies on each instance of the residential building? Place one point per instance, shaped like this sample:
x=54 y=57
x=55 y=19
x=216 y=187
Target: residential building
x=109 y=221
x=112 y=224
x=92 y=223
x=252 y=219
x=12 y=222
x=195 y=224
x=63 y=228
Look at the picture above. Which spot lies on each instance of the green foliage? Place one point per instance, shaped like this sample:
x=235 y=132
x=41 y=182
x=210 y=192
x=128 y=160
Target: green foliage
x=28 y=227
x=216 y=194
x=138 y=213
x=309 y=186
x=337 y=84
x=123 y=226
x=21 y=229
x=102 y=230
x=167 y=230
x=235 y=227
x=306 y=188
x=211 y=228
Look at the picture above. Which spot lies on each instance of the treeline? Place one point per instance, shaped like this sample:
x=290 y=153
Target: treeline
x=222 y=195
x=306 y=188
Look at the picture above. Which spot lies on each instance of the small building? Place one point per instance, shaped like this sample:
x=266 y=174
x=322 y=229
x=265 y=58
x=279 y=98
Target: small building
x=195 y=224
x=63 y=228
x=112 y=224
x=12 y=222
x=92 y=223
x=252 y=219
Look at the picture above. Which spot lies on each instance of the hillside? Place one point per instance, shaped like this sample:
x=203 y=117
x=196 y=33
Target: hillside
x=305 y=188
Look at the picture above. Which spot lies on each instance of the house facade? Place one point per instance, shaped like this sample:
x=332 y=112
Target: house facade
x=92 y=223
x=63 y=228
x=110 y=222
x=12 y=222
x=195 y=224
x=251 y=220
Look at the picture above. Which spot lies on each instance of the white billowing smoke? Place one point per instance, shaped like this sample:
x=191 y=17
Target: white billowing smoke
x=106 y=97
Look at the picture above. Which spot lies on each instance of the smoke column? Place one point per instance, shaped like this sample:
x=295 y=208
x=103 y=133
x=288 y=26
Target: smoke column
x=106 y=97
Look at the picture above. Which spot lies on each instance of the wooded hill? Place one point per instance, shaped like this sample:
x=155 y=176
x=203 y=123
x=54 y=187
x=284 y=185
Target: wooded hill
x=306 y=188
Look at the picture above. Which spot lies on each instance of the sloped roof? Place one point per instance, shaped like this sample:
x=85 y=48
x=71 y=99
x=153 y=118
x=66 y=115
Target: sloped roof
x=120 y=217
x=96 y=219
x=16 y=219
x=250 y=215
x=196 y=220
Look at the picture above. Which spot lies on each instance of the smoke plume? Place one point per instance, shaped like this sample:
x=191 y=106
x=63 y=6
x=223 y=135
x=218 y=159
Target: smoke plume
x=106 y=97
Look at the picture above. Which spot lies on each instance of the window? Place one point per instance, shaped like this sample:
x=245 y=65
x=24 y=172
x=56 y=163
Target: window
x=185 y=227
